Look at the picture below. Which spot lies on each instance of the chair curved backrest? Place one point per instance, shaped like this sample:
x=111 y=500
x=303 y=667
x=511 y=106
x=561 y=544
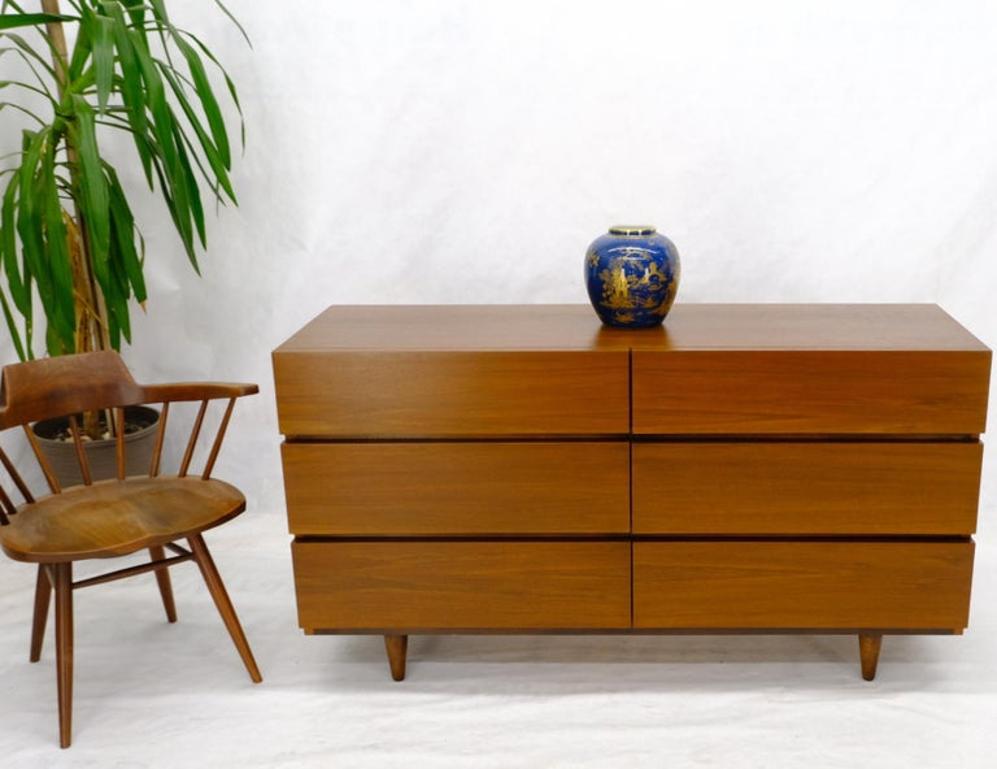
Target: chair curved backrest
x=69 y=385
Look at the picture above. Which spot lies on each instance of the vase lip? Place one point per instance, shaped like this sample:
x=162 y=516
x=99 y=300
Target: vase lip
x=632 y=230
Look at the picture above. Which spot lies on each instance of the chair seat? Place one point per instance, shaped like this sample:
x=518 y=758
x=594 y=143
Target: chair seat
x=112 y=518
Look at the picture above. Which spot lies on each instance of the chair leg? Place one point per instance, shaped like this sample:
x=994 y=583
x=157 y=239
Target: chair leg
x=217 y=589
x=165 y=587
x=64 y=649
x=43 y=593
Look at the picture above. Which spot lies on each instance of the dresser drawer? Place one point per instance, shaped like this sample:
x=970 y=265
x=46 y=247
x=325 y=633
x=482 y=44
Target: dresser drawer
x=474 y=489
x=806 y=488
x=462 y=585
x=451 y=394
x=810 y=391
x=805 y=585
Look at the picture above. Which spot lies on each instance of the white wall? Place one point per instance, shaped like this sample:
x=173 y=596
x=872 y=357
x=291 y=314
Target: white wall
x=436 y=152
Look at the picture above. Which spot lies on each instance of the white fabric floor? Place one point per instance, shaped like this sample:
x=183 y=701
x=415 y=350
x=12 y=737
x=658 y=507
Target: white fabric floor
x=151 y=694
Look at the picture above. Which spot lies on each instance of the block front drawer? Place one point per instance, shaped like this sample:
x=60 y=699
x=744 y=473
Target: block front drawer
x=806 y=585
x=462 y=585
x=451 y=394
x=810 y=391
x=806 y=488
x=472 y=489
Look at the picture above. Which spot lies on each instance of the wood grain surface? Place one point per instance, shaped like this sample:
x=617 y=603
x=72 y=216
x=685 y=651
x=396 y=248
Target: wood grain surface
x=117 y=517
x=806 y=488
x=458 y=394
x=689 y=326
x=758 y=584
x=823 y=392
x=412 y=585
x=463 y=489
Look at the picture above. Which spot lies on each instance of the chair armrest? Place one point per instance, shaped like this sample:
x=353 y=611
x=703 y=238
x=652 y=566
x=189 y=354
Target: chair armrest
x=196 y=391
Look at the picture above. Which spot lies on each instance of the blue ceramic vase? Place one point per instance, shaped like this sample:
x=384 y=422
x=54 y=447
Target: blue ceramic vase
x=632 y=274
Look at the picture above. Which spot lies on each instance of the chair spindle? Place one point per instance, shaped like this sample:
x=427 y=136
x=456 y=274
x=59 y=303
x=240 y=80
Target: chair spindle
x=194 y=433
x=119 y=445
x=6 y=508
x=157 y=451
x=81 y=454
x=53 y=482
x=217 y=445
x=16 y=477
x=6 y=502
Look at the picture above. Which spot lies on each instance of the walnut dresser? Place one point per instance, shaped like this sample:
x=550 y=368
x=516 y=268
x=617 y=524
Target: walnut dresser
x=522 y=469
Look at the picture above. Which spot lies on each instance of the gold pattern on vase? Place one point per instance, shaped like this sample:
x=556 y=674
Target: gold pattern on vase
x=632 y=276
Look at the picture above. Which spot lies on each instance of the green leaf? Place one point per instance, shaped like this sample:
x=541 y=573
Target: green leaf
x=193 y=194
x=155 y=99
x=209 y=178
x=218 y=166
x=29 y=51
x=10 y=21
x=28 y=220
x=124 y=235
x=27 y=87
x=81 y=51
x=8 y=242
x=19 y=108
x=12 y=327
x=53 y=342
x=170 y=170
x=29 y=324
x=62 y=313
x=202 y=86
x=132 y=93
x=116 y=294
x=103 y=58
x=136 y=12
x=233 y=92
x=235 y=21
x=159 y=11
x=93 y=199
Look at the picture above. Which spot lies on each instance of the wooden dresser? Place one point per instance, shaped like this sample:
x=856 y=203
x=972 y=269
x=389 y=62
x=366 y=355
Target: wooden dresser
x=521 y=469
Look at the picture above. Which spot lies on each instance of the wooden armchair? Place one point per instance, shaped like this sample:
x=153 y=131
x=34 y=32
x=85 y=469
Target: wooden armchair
x=111 y=518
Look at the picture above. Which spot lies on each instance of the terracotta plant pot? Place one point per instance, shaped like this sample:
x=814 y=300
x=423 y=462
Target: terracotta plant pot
x=101 y=454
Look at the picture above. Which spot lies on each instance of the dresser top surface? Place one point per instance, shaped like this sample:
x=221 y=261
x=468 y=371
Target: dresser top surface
x=914 y=327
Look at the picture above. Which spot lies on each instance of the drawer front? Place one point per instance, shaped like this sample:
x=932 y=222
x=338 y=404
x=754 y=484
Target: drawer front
x=462 y=585
x=458 y=394
x=403 y=489
x=806 y=488
x=824 y=392
x=805 y=585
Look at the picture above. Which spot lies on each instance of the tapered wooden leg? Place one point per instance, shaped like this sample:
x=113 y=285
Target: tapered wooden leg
x=43 y=593
x=869 y=645
x=165 y=587
x=397 y=648
x=64 y=649
x=217 y=589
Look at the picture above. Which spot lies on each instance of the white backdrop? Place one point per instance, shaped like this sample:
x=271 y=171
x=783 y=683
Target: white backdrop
x=448 y=152
x=466 y=152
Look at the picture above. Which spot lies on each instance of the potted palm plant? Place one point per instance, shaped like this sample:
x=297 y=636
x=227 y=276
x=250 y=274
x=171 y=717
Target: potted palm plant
x=69 y=243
